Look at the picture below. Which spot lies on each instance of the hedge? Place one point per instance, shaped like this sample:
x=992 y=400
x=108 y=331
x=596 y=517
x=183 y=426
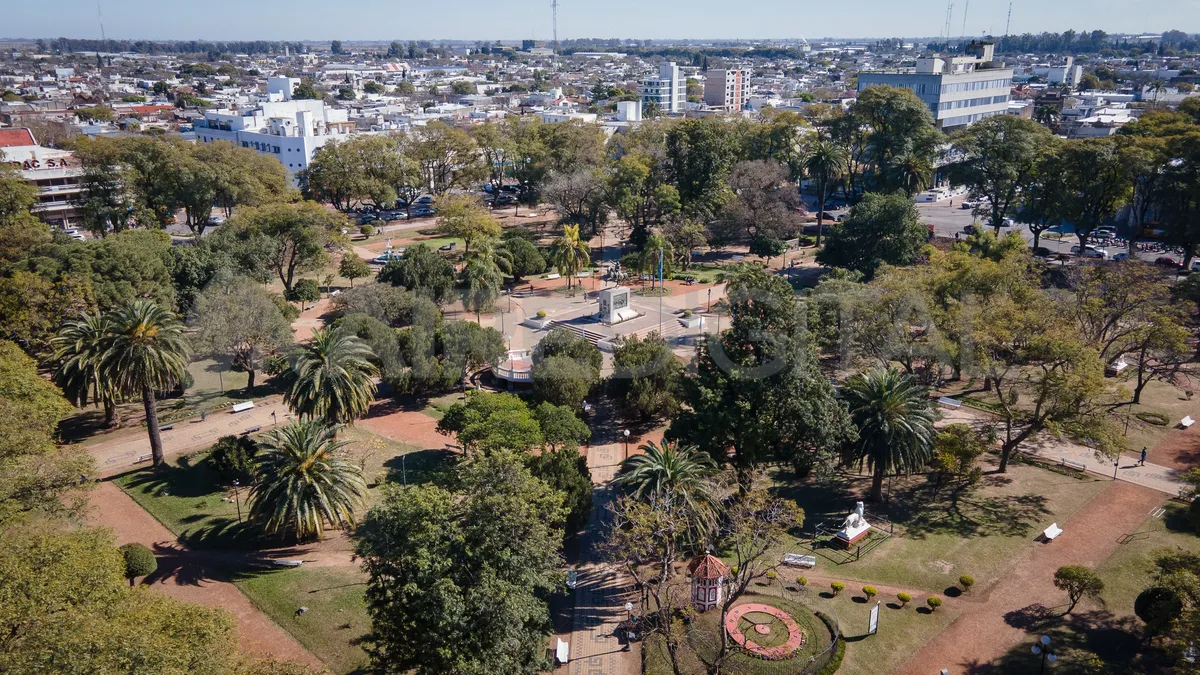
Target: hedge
x=1157 y=419
x=839 y=652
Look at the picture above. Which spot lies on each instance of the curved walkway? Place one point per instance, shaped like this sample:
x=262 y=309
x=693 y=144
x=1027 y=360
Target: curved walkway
x=776 y=653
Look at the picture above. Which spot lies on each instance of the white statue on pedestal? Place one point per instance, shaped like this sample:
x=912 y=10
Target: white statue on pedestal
x=854 y=525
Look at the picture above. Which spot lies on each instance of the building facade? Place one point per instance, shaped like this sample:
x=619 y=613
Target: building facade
x=668 y=91
x=726 y=89
x=288 y=130
x=959 y=90
x=54 y=173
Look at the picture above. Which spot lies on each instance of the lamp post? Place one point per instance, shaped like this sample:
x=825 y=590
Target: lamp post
x=236 y=500
x=710 y=300
x=625 y=433
x=1042 y=648
x=629 y=623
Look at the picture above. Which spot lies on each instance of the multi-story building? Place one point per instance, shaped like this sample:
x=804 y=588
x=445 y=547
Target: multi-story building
x=958 y=90
x=54 y=173
x=726 y=89
x=668 y=91
x=289 y=130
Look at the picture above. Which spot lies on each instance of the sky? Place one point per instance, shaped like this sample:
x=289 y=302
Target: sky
x=530 y=19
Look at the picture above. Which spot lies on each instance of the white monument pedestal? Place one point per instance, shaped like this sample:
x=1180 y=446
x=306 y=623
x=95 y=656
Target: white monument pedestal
x=614 y=305
x=854 y=528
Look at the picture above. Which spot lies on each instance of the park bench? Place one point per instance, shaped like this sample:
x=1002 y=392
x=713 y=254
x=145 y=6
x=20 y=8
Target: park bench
x=242 y=407
x=1072 y=464
x=1187 y=422
x=252 y=430
x=798 y=560
x=553 y=276
x=145 y=458
x=1051 y=533
x=287 y=563
x=562 y=652
x=166 y=427
x=950 y=402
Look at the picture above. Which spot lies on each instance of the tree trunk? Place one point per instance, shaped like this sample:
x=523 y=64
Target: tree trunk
x=1037 y=237
x=249 y=378
x=112 y=416
x=877 y=483
x=151 y=406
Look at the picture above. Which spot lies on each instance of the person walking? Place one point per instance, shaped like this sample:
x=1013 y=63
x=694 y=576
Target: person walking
x=1142 y=462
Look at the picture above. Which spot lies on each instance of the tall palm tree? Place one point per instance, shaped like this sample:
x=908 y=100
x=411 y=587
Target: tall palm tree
x=145 y=352
x=673 y=471
x=1046 y=115
x=656 y=251
x=331 y=378
x=482 y=275
x=910 y=172
x=79 y=353
x=895 y=423
x=570 y=253
x=825 y=164
x=304 y=481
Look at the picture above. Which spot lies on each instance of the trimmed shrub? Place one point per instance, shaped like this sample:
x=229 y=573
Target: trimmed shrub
x=233 y=458
x=139 y=561
x=541 y=314
x=1157 y=419
x=934 y=602
x=904 y=598
x=366 y=230
x=966 y=581
x=870 y=592
x=802 y=582
x=687 y=313
x=771 y=576
x=837 y=587
x=839 y=652
x=275 y=363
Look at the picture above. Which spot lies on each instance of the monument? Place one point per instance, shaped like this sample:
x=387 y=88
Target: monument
x=614 y=305
x=854 y=528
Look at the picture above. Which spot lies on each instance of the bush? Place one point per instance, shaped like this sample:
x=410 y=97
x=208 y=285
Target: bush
x=904 y=598
x=772 y=576
x=186 y=381
x=802 y=582
x=934 y=602
x=233 y=458
x=837 y=587
x=966 y=581
x=139 y=561
x=870 y=592
x=1157 y=419
x=275 y=364
x=839 y=651
x=1194 y=514
x=687 y=313
x=541 y=314
x=366 y=230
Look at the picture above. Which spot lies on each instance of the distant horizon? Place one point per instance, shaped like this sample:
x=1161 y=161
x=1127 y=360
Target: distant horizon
x=477 y=20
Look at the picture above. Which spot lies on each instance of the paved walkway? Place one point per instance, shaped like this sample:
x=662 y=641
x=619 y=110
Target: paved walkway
x=185 y=575
x=125 y=451
x=994 y=620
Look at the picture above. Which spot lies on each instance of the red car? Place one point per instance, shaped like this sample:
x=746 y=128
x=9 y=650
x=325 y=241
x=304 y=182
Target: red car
x=1168 y=262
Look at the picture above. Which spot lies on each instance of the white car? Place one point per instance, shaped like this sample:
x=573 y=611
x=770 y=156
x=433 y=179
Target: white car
x=1090 y=252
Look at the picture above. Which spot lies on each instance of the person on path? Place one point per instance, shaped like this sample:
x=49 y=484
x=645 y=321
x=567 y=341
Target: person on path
x=1142 y=462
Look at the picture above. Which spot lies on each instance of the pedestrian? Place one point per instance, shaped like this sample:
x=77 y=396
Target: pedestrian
x=1143 y=460
x=203 y=415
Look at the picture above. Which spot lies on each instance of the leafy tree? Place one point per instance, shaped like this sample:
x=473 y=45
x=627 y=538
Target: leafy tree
x=578 y=195
x=353 y=267
x=1000 y=155
x=895 y=424
x=238 y=318
x=304 y=291
x=304 y=481
x=145 y=352
x=567 y=366
x=1077 y=581
x=36 y=476
x=646 y=377
x=566 y=471
x=447 y=157
x=1096 y=182
x=491 y=423
x=284 y=240
x=130 y=265
x=765 y=201
x=1043 y=200
x=880 y=229
x=955 y=449
x=766 y=247
x=570 y=253
x=467 y=569
x=465 y=218
x=1158 y=607
x=423 y=271
x=331 y=378
x=232 y=457
x=699 y=154
x=139 y=561
x=899 y=133
x=527 y=259
x=335 y=47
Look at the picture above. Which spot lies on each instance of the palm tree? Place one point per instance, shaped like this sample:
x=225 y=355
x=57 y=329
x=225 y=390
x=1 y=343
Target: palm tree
x=79 y=352
x=672 y=471
x=910 y=172
x=570 y=253
x=144 y=352
x=1046 y=115
x=481 y=277
x=824 y=166
x=331 y=378
x=304 y=482
x=657 y=251
x=894 y=420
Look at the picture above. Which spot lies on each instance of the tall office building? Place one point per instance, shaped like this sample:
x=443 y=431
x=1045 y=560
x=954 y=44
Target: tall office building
x=726 y=89
x=958 y=90
x=668 y=91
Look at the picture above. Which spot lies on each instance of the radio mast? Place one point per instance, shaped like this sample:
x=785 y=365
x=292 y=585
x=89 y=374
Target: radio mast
x=554 y=57
x=1008 y=24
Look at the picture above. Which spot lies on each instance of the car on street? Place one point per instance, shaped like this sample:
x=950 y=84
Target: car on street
x=1090 y=252
x=1167 y=262
x=1123 y=255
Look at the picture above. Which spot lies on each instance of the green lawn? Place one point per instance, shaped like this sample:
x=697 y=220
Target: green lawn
x=437 y=406
x=975 y=531
x=1129 y=569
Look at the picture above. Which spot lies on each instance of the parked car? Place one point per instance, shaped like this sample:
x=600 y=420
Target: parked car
x=969 y=229
x=1105 y=233
x=425 y=199
x=1090 y=252
x=1041 y=252
x=969 y=204
x=1123 y=255
x=369 y=218
x=1168 y=262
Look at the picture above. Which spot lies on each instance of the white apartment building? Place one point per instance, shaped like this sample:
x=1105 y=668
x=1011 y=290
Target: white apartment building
x=959 y=90
x=726 y=89
x=668 y=91
x=54 y=173
x=288 y=130
x=1067 y=74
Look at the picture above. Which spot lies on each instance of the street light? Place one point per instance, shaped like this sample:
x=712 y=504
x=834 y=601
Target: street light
x=629 y=623
x=236 y=500
x=626 y=433
x=1043 y=649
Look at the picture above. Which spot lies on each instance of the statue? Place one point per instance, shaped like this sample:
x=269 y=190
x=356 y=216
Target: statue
x=854 y=527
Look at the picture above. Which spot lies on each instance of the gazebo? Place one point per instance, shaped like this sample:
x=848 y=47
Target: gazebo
x=708 y=574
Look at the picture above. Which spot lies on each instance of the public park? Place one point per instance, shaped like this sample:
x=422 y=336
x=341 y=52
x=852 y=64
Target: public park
x=707 y=395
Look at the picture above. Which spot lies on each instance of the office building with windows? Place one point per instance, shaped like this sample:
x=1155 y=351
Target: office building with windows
x=55 y=173
x=726 y=89
x=287 y=129
x=958 y=90
x=668 y=91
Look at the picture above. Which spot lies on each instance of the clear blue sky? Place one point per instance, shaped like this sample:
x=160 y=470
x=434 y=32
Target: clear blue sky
x=524 y=19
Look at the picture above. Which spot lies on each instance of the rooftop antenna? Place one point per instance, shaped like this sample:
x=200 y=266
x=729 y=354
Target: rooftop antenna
x=101 y=18
x=949 y=14
x=1008 y=24
x=554 y=57
x=966 y=8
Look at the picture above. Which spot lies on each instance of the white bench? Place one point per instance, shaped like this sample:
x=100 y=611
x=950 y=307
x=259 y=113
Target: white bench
x=241 y=407
x=798 y=560
x=286 y=563
x=562 y=652
x=1051 y=533
x=1072 y=464
x=1187 y=422
x=950 y=402
x=553 y=276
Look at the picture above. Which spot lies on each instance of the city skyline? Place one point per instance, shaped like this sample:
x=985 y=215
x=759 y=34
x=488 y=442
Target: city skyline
x=307 y=20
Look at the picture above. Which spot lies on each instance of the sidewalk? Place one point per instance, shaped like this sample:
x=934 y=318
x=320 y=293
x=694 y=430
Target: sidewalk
x=122 y=454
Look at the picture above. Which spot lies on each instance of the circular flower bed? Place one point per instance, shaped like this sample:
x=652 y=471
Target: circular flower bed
x=774 y=616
